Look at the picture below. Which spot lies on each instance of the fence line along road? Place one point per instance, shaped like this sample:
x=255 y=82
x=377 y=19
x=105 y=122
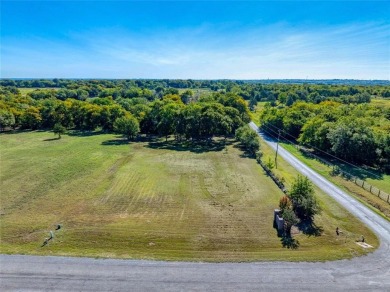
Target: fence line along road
x=378 y=224
x=347 y=176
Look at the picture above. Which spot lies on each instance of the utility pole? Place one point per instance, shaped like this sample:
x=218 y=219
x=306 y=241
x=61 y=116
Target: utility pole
x=277 y=148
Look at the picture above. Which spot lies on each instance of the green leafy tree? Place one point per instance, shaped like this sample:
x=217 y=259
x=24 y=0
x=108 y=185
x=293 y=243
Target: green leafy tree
x=31 y=118
x=7 y=119
x=252 y=103
x=127 y=126
x=302 y=197
x=59 y=129
x=290 y=219
x=249 y=139
x=186 y=96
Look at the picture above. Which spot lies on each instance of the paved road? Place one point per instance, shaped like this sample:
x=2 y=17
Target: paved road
x=368 y=273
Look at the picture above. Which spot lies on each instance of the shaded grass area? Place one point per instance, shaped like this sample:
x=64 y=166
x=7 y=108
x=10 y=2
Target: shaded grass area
x=148 y=200
x=382 y=181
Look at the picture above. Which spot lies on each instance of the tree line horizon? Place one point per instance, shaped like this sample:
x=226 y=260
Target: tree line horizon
x=335 y=117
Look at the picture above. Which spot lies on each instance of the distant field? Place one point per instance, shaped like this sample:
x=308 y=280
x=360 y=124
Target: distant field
x=255 y=115
x=152 y=201
x=381 y=102
x=24 y=91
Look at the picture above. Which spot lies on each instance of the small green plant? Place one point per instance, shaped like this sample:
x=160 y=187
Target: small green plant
x=269 y=164
x=59 y=129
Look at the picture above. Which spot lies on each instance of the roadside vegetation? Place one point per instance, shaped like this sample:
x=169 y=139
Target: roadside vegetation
x=353 y=137
x=381 y=181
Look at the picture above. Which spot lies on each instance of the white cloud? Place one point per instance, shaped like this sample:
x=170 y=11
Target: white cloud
x=360 y=51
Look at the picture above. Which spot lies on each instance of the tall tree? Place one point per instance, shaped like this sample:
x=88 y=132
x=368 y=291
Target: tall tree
x=302 y=197
x=127 y=126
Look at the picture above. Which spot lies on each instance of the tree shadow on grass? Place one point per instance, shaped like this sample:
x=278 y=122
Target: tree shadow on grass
x=116 y=142
x=17 y=131
x=192 y=146
x=289 y=242
x=52 y=139
x=286 y=239
x=308 y=227
x=84 y=133
x=245 y=153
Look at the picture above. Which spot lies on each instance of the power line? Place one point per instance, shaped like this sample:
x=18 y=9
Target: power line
x=292 y=142
x=323 y=151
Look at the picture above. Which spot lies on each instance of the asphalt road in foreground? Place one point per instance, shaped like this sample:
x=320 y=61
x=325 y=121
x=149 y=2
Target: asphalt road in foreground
x=367 y=273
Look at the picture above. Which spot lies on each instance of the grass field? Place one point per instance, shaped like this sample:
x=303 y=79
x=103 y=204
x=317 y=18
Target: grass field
x=255 y=115
x=24 y=91
x=383 y=102
x=152 y=200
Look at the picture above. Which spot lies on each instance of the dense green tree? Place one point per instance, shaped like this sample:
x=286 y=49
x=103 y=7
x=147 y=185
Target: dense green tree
x=127 y=126
x=186 y=96
x=7 y=119
x=290 y=219
x=249 y=139
x=59 y=129
x=303 y=200
x=31 y=118
x=252 y=103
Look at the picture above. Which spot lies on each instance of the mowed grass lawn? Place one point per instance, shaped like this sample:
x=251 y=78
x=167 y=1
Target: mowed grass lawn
x=151 y=201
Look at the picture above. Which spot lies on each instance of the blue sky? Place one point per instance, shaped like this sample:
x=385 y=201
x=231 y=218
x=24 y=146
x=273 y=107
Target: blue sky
x=195 y=39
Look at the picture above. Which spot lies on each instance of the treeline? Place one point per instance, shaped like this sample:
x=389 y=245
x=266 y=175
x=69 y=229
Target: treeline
x=278 y=91
x=358 y=133
x=217 y=114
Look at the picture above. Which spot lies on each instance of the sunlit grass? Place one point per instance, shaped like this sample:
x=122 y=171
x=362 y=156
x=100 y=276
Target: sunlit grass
x=152 y=200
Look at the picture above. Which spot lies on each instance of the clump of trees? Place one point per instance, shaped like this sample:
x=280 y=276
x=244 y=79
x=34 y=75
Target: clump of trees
x=329 y=115
x=300 y=204
x=215 y=114
x=248 y=139
x=358 y=133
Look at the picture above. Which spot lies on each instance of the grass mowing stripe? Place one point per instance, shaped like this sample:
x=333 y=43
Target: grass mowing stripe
x=138 y=201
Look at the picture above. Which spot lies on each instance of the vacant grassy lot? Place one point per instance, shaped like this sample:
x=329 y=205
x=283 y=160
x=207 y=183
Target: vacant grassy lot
x=153 y=201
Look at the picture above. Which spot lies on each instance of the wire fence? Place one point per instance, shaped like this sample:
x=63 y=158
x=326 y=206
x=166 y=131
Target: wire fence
x=347 y=176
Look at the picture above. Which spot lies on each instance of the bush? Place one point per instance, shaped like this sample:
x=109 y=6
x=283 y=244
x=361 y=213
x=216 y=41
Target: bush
x=249 y=139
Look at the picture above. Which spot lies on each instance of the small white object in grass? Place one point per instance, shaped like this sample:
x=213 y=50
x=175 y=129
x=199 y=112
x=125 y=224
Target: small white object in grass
x=364 y=245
